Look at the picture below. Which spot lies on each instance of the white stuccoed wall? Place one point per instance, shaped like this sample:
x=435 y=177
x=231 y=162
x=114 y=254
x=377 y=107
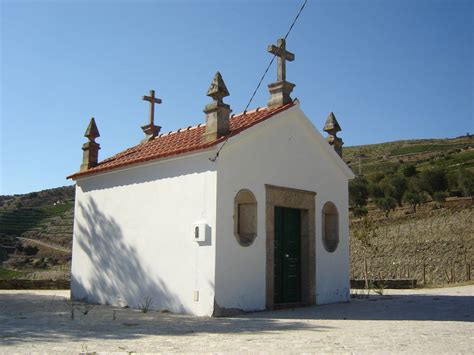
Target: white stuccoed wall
x=133 y=235
x=284 y=151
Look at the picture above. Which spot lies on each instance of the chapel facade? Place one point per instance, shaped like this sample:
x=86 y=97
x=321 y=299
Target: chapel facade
x=245 y=212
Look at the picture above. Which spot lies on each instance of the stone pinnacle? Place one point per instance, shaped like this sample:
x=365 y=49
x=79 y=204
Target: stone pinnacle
x=217 y=89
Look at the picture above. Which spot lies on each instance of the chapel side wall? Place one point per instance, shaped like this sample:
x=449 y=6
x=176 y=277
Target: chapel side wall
x=133 y=236
x=282 y=153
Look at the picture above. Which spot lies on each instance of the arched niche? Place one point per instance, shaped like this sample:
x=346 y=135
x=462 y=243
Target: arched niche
x=245 y=217
x=330 y=226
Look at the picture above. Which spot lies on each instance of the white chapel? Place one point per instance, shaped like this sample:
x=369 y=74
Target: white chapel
x=244 y=212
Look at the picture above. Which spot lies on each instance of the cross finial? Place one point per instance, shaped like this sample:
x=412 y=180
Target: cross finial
x=151 y=131
x=283 y=55
x=152 y=100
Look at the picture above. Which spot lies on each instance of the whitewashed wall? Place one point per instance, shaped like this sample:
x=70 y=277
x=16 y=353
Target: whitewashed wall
x=284 y=151
x=133 y=236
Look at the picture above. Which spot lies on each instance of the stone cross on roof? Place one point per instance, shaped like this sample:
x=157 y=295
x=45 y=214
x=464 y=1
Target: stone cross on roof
x=283 y=55
x=281 y=89
x=151 y=130
x=152 y=100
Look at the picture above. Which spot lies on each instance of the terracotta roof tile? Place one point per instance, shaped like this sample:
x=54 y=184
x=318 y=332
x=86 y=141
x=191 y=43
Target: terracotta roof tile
x=179 y=142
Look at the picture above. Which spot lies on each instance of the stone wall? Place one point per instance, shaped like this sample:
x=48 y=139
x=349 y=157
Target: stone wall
x=34 y=284
x=393 y=284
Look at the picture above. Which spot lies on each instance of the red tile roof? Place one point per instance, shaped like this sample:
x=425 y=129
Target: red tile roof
x=179 y=142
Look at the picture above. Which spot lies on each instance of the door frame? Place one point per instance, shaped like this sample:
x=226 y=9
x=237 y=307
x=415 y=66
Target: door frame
x=277 y=196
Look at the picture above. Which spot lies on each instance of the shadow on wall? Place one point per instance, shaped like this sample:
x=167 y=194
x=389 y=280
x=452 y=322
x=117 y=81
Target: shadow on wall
x=118 y=277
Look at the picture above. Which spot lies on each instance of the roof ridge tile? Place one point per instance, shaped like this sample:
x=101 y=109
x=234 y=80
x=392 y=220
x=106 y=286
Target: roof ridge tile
x=181 y=141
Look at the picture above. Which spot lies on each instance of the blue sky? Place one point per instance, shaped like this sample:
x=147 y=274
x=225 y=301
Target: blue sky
x=389 y=69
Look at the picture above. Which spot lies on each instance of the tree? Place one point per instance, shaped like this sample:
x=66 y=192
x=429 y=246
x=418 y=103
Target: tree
x=376 y=190
x=414 y=198
x=409 y=170
x=440 y=197
x=414 y=194
x=386 y=204
x=434 y=180
x=358 y=192
x=376 y=176
x=399 y=185
x=466 y=183
x=453 y=183
x=365 y=232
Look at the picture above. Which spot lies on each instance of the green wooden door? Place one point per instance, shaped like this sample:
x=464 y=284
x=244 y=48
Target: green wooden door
x=287 y=257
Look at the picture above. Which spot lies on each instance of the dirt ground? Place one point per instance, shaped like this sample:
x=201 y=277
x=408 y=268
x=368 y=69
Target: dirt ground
x=426 y=320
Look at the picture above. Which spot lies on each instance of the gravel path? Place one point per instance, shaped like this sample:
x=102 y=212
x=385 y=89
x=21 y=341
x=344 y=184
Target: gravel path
x=422 y=321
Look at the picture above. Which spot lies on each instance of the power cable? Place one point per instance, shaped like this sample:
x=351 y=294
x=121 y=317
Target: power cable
x=263 y=76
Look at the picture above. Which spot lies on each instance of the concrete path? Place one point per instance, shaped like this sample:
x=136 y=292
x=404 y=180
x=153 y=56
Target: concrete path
x=421 y=321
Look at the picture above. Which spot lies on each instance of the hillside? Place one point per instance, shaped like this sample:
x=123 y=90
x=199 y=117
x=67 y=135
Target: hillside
x=36 y=232
x=451 y=154
x=435 y=244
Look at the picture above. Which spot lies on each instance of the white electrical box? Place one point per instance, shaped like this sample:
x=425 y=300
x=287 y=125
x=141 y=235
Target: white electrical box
x=200 y=232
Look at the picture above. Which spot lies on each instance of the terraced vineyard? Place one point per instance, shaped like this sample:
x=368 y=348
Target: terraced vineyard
x=434 y=245
x=451 y=154
x=36 y=232
x=18 y=221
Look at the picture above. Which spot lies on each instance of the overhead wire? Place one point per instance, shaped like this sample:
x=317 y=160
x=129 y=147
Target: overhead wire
x=263 y=75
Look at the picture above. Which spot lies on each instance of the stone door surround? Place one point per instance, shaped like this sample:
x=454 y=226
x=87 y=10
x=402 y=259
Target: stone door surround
x=304 y=201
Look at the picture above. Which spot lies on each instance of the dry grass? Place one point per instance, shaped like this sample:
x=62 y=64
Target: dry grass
x=435 y=248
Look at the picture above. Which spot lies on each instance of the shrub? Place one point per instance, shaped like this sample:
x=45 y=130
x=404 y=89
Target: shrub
x=440 y=196
x=30 y=250
x=409 y=170
x=466 y=183
x=146 y=305
x=434 y=180
x=3 y=255
x=360 y=211
x=376 y=177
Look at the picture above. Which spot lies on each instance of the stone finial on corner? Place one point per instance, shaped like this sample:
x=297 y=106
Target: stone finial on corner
x=332 y=127
x=217 y=112
x=90 y=156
